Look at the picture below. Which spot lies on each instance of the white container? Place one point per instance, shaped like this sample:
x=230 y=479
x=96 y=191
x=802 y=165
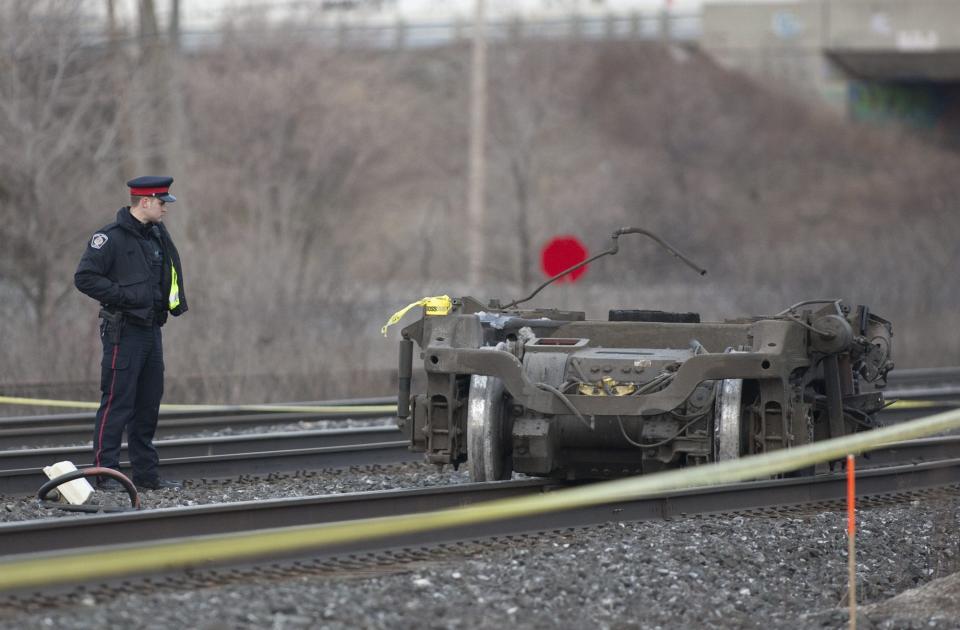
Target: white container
x=76 y=492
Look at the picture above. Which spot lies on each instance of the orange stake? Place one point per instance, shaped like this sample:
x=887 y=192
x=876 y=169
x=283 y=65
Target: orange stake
x=851 y=541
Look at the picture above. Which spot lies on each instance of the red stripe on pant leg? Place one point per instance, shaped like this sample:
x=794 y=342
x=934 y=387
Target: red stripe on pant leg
x=106 y=412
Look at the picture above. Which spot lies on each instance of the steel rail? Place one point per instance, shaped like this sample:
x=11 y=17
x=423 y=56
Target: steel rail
x=38 y=539
x=285 y=452
x=51 y=436
x=166 y=523
x=27 y=480
x=912 y=452
x=902 y=383
x=895 y=415
x=937 y=393
x=912 y=378
x=197 y=447
x=937 y=375
x=76 y=428
x=60 y=430
x=30 y=421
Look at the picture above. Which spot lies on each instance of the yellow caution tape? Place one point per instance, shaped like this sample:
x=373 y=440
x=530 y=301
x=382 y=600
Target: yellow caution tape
x=82 y=566
x=920 y=404
x=437 y=305
x=78 y=404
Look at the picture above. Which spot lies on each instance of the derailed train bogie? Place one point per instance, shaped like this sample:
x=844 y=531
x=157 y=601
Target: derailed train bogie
x=548 y=393
x=560 y=396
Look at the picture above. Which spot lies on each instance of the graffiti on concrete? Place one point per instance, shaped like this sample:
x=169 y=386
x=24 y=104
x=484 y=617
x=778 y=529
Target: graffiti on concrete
x=917 y=40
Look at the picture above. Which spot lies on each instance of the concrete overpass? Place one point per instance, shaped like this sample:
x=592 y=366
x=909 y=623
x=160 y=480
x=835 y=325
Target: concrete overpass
x=876 y=59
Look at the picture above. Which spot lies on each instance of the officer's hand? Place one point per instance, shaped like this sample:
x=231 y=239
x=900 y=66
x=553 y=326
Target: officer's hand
x=137 y=296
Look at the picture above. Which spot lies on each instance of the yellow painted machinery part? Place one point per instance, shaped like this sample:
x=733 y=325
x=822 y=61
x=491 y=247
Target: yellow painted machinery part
x=597 y=388
x=62 y=567
x=77 y=404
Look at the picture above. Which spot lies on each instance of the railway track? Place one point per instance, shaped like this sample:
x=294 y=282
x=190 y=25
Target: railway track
x=159 y=524
x=253 y=454
x=290 y=451
x=935 y=384
x=76 y=428
x=881 y=486
x=224 y=518
x=271 y=520
x=229 y=456
x=907 y=384
x=896 y=415
x=924 y=377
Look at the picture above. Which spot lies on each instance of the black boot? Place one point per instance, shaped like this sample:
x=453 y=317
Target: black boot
x=159 y=484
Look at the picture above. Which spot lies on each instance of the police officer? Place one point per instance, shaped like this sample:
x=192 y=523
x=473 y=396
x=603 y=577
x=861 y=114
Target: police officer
x=133 y=269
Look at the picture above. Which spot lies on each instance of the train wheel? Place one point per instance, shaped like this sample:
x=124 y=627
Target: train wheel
x=728 y=428
x=487 y=449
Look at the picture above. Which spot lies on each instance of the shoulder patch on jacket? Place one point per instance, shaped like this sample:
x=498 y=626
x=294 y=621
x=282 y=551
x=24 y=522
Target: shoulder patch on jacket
x=99 y=240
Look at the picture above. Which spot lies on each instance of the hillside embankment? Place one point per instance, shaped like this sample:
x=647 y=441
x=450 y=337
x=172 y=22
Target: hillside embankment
x=321 y=190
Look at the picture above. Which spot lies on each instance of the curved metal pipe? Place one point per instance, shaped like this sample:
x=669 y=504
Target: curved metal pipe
x=613 y=249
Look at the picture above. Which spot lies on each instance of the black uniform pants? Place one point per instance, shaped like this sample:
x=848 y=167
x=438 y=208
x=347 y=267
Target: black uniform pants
x=131 y=382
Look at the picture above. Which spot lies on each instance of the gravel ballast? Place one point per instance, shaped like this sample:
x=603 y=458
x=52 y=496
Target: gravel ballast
x=735 y=571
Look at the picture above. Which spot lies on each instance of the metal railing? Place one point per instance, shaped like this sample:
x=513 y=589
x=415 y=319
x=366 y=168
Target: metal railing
x=401 y=34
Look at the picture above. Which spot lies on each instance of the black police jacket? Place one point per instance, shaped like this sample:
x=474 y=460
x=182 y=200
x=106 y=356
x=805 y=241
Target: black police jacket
x=115 y=271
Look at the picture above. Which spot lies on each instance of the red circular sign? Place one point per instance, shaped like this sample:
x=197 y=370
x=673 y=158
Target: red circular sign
x=561 y=253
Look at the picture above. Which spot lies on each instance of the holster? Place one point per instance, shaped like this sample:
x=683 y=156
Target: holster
x=112 y=322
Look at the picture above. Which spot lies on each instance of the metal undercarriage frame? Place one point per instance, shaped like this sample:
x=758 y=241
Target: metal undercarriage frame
x=547 y=393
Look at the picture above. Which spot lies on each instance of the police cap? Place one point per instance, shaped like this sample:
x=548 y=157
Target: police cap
x=152 y=186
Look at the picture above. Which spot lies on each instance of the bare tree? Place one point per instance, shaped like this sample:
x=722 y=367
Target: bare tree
x=60 y=140
x=535 y=95
x=325 y=187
